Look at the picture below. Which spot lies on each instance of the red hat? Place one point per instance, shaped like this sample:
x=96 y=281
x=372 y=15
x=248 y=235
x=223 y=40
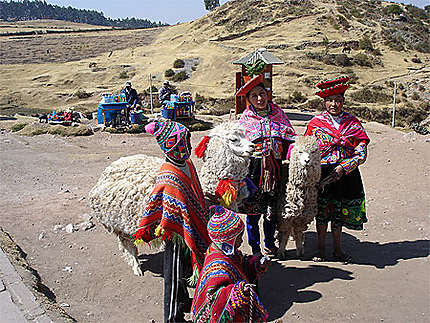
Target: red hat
x=248 y=86
x=333 y=87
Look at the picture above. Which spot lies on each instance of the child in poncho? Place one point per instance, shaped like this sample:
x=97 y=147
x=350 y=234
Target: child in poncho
x=176 y=214
x=225 y=290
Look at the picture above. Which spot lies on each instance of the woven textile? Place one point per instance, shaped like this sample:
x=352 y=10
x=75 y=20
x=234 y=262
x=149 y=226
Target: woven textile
x=346 y=145
x=176 y=206
x=333 y=87
x=219 y=296
x=275 y=125
x=171 y=136
x=224 y=227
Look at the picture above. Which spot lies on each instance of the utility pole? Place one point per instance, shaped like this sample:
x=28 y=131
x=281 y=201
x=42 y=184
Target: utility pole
x=150 y=93
x=394 y=105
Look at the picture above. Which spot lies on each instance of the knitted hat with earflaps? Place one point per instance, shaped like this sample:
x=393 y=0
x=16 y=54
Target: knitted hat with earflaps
x=224 y=227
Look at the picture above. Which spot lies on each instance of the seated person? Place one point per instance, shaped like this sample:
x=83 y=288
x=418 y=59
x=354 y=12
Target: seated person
x=225 y=291
x=131 y=97
x=165 y=92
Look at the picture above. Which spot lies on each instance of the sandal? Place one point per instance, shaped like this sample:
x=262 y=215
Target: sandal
x=343 y=257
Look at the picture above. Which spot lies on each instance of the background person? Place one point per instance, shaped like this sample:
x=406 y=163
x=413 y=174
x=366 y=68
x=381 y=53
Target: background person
x=268 y=127
x=343 y=144
x=131 y=97
x=165 y=92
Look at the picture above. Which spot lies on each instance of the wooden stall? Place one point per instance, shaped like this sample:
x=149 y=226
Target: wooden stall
x=242 y=77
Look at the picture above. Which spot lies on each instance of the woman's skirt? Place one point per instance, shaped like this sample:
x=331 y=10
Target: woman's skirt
x=342 y=202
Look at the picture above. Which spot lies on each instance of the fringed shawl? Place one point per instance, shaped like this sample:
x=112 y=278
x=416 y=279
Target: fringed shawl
x=275 y=125
x=349 y=135
x=176 y=207
x=218 y=296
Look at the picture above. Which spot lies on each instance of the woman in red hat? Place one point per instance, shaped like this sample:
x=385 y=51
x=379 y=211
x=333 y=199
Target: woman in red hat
x=268 y=127
x=343 y=144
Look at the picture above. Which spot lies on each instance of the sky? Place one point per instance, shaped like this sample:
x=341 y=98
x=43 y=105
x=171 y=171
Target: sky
x=167 y=11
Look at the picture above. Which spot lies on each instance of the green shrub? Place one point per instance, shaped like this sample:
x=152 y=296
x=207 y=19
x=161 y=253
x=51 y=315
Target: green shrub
x=82 y=94
x=18 y=126
x=394 y=9
x=415 y=96
x=416 y=60
x=343 y=22
x=178 y=63
x=169 y=73
x=366 y=44
x=297 y=97
x=123 y=75
x=370 y=95
x=362 y=60
x=353 y=78
x=148 y=90
x=181 y=76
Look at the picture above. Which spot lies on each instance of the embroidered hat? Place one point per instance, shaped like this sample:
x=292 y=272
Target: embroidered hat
x=333 y=87
x=170 y=135
x=248 y=86
x=224 y=227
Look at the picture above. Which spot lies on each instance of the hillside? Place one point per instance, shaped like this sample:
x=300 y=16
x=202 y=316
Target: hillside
x=388 y=43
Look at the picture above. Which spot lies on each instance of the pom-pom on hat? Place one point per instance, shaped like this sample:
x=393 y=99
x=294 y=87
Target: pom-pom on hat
x=248 y=86
x=167 y=133
x=333 y=86
x=224 y=227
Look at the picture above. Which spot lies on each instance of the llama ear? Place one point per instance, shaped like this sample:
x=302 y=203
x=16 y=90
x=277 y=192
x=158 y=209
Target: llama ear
x=201 y=147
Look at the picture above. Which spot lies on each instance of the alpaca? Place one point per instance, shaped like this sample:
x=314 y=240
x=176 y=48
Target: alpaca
x=300 y=202
x=118 y=199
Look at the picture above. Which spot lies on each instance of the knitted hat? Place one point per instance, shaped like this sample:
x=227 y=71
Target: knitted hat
x=224 y=227
x=248 y=86
x=170 y=135
x=333 y=87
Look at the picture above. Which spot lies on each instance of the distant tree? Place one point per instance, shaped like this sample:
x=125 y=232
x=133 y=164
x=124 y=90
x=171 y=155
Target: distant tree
x=211 y=4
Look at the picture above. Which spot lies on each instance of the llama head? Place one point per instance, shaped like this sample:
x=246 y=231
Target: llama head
x=305 y=161
x=230 y=138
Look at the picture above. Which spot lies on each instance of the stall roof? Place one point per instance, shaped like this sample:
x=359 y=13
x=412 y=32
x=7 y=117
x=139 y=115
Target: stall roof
x=260 y=53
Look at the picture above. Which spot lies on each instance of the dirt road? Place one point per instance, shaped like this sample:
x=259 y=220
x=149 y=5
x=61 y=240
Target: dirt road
x=44 y=182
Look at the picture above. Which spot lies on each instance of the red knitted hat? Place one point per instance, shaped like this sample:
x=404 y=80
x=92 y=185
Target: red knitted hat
x=248 y=86
x=333 y=87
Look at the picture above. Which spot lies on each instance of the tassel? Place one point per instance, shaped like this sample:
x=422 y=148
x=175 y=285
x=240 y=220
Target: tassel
x=226 y=192
x=192 y=281
x=201 y=147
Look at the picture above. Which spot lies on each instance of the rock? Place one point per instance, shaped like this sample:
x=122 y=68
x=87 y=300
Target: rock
x=68 y=269
x=41 y=235
x=69 y=228
x=82 y=198
x=87 y=225
x=58 y=227
x=64 y=305
x=86 y=217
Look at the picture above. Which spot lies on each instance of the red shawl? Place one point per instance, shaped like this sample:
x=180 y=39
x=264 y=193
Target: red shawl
x=349 y=135
x=218 y=296
x=176 y=206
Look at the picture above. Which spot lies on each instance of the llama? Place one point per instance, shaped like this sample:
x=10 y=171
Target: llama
x=118 y=198
x=300 y=202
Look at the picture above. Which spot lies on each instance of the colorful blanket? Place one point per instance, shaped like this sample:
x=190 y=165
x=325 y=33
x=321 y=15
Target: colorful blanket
x=349 y=135
x=219 y=295
x=175 y=208
x=276 y=125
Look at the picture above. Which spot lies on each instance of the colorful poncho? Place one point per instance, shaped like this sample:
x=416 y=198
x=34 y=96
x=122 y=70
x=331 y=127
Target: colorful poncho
x=175 y=208
x=276 y=125
x=219 y=294
x=346 y=145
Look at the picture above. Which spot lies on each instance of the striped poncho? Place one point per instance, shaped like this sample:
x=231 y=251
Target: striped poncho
x=219 y=295
x=176 y=209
